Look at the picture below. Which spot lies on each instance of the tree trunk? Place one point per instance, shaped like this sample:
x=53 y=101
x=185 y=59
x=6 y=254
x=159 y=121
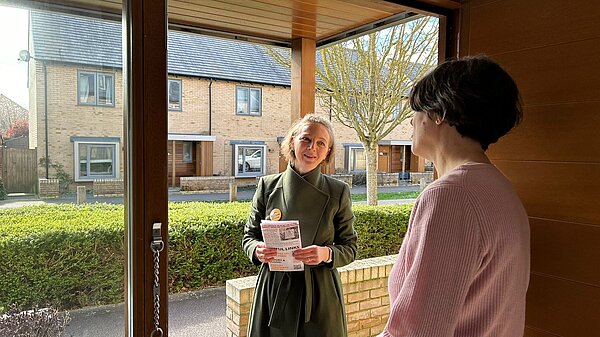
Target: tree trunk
x=371 y=153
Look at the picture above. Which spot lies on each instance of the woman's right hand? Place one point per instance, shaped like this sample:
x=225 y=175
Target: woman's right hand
x=264 y=254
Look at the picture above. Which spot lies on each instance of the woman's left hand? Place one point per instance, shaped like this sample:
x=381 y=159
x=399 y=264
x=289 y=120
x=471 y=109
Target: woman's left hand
x=312 y=255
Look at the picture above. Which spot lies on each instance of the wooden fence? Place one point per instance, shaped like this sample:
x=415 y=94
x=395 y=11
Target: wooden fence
x=19 y=170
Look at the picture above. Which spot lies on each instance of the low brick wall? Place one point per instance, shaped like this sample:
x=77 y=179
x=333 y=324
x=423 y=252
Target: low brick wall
x=207 y=184
x=247 y=182
x=365 y=296
x=347 y=178
x=415 y=177
x=48 y=188
x=108 y=187
x=387 y=179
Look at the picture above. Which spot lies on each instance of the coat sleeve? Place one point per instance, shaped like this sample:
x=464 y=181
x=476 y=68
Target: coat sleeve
x=438 y=262
x=252 y=232
x=345 y=239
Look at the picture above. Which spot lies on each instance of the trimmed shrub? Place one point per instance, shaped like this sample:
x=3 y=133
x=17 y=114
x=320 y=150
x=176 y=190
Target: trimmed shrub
x=359 y=178
x=380 y=229
x=3 y=193
x=205 y=244
x=72 y=256
x=63 y=256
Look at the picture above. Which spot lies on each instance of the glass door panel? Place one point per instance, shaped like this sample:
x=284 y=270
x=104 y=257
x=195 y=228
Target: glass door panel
x=62 y=246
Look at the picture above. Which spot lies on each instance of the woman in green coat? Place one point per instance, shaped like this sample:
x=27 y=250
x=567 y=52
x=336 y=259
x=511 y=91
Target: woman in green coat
x=309 y=302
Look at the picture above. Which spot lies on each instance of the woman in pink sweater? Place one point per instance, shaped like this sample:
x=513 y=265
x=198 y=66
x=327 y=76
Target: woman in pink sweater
x=463 y=268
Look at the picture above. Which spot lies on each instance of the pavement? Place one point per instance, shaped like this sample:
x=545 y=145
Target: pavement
x=192 y=314
x=23 y=199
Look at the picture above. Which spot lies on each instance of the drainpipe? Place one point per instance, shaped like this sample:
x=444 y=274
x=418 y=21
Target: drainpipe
x=46 y=115
x=210 y=107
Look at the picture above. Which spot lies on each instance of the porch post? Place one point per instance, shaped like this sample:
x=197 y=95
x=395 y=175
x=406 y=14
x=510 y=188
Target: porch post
x=174 y=165
x=303 y=77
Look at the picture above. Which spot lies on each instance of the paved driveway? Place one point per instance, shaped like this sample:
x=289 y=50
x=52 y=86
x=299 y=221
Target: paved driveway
x=194 y=314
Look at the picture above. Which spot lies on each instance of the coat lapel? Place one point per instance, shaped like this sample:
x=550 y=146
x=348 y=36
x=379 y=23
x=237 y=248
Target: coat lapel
x=305 y=200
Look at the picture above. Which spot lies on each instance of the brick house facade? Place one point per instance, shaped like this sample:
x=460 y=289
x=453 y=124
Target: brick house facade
x=207 y=136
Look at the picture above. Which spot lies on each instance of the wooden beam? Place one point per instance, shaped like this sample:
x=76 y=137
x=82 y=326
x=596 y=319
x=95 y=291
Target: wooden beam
x=303 y=77
x=145 y=130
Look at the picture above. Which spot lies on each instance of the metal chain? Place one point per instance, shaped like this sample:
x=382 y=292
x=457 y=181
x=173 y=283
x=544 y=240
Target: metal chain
x=156 y=246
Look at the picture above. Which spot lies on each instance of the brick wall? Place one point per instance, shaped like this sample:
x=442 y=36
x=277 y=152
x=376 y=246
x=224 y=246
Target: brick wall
x=108 y=187
x=206 y=184
x=347 y=178
x=67 y=118
x=48 y=188
x=365 y=296
x=415 y=177
x=387 y=179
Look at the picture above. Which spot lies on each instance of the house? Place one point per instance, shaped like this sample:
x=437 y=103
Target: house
x=227 y=104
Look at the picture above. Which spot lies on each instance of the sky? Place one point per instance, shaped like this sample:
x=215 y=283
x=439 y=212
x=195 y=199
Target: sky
x=13 y=38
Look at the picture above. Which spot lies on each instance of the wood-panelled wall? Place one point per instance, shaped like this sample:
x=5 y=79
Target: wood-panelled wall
x=552 y=49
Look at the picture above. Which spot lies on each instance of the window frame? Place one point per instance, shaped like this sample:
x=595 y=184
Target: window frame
x=96 y=87
x=352 y=158
x=76 y=161
x=237 y=148
x=248 y=103
x=180 y=94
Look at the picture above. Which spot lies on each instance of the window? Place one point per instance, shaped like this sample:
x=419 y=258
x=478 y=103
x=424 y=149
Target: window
x=357 y=160
x=96 y=160
x=95 y=88
x=248 y=101
x=250 y=160
x=175 y=95
x=187 y=152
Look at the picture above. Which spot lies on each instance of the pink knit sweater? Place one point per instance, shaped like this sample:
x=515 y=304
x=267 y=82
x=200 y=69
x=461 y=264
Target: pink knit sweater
x=463 y=268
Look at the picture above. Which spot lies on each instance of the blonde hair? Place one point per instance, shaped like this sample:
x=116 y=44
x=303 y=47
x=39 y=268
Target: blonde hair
x=286 y=147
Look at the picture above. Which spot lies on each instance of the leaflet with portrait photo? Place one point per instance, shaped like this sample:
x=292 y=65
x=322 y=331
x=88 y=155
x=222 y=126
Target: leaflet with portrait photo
x=285 y=236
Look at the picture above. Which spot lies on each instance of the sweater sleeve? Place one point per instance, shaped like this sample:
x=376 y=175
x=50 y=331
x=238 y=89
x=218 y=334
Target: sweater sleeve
x=437 y=265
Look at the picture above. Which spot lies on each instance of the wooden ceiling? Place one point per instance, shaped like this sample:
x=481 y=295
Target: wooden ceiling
x=282 y=20
x=273 y=21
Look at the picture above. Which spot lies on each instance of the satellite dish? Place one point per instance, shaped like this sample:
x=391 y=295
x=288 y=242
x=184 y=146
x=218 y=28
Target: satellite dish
x=24 y=55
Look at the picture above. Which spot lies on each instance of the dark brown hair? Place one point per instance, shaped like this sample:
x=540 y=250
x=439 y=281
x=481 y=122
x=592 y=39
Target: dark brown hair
x=473 y=94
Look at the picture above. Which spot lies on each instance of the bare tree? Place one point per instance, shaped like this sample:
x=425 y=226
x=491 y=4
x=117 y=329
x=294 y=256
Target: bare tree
x=10 y=114
x=368 y=79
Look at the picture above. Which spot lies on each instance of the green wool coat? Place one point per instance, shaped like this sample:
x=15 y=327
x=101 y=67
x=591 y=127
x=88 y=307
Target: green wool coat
x=309 y=302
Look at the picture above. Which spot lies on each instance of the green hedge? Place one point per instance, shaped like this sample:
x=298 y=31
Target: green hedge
x=3 y=193
x=71 y=256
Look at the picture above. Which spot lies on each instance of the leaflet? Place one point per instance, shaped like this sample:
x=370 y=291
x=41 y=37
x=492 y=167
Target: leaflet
x=285 y=236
